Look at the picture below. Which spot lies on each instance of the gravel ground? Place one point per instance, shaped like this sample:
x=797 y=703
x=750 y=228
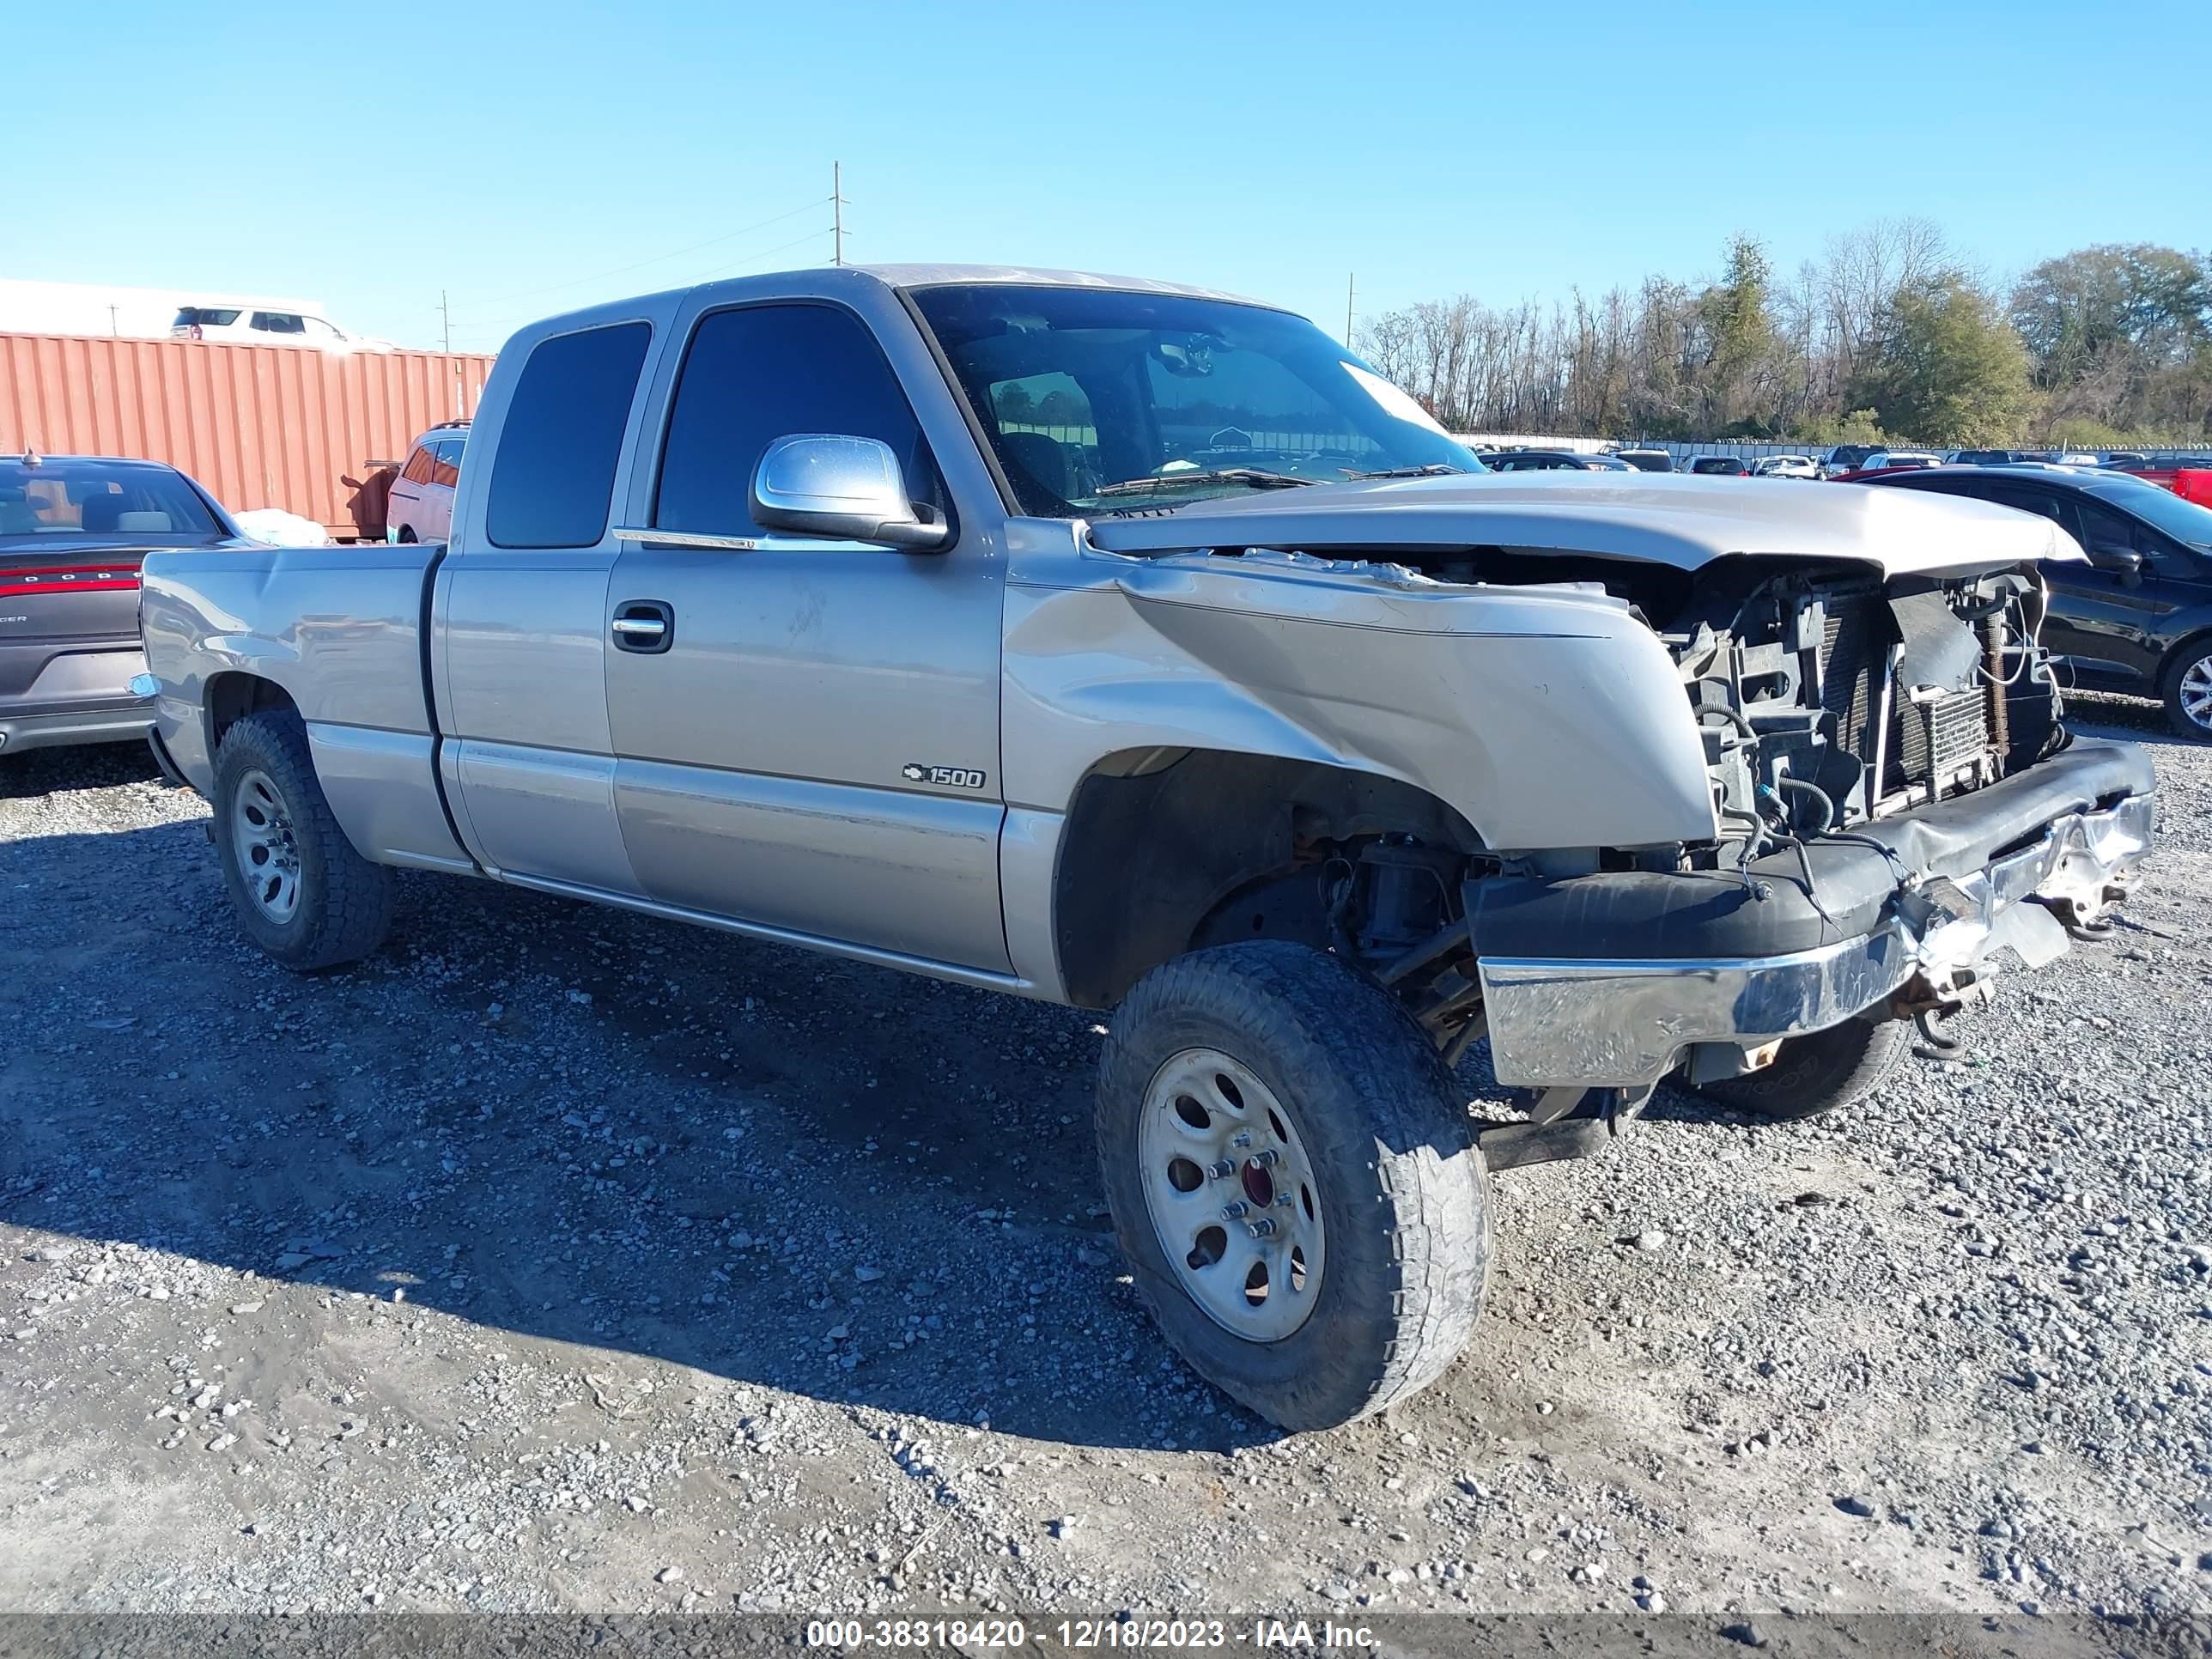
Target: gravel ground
x=562 y=1259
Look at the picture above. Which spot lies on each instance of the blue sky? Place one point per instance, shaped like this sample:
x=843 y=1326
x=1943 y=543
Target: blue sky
x=512 y=153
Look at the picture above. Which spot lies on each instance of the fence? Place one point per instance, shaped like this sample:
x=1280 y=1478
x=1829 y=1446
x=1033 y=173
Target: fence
x=258 y=426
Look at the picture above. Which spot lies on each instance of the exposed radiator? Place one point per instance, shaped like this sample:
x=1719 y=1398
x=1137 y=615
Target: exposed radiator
x=1928 y=743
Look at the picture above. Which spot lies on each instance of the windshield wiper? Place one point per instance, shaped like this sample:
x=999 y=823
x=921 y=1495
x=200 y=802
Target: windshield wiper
x=1427 y=470
x=1256 y=476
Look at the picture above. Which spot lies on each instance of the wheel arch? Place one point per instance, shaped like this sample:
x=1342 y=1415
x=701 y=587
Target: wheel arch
x=1157 y=841
x=2187 y=646
x=229 y=696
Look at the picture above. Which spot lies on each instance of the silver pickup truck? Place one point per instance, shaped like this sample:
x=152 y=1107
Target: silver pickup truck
x=1134 y=647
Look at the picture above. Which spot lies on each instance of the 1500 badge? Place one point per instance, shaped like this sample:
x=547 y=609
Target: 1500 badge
x=950 y=777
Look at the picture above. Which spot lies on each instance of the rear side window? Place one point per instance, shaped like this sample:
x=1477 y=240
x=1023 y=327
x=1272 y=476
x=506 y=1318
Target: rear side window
x=763 y=373
x=553 y=473
x=418 y=466
x=206 y=316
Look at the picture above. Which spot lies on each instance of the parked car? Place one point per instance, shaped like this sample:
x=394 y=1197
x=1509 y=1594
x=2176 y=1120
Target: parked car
x=1979 y=458
x=420 y=508
x=1846 y=458
x=2189 y=476
x=74 y=530
x=1720 y=466
x=1553 y=460
x=1892 y=460
x=2137 y=617
x=1647 y=460
x=1784 y=466
x=247 y=324
x=771 y=607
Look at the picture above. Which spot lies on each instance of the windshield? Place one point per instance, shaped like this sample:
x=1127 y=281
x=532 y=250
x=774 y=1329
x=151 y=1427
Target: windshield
x=63 y=502
x=2185 y=521
x=1098 y=401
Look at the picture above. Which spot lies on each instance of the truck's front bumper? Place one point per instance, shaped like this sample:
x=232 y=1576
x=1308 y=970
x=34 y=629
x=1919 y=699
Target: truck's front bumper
x=1626 y=1019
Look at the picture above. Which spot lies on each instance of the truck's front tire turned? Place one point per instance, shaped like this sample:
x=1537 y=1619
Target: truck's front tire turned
x=1294 y=1181
x=1820 y=1072
x=302 y=893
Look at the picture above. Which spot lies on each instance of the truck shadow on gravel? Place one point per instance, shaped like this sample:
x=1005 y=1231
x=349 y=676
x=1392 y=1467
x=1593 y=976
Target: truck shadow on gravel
x=637 y=1141
x=633 y=1140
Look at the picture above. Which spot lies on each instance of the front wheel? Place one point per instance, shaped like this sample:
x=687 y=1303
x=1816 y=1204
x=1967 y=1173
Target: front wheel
x=2187 y=691
x=1820 y=1072
x=1293 y=1180
x=302 y=892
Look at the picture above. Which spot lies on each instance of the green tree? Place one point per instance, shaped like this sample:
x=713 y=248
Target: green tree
x=1740 y=338
x=1826 y=431
x=1947 y=368
x=2153 y=303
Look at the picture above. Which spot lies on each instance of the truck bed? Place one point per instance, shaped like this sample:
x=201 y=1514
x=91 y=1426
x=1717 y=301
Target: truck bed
x=340 y=631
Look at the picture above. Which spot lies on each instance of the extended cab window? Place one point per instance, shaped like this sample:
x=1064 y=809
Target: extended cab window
x=761 y=373
x=553 y=471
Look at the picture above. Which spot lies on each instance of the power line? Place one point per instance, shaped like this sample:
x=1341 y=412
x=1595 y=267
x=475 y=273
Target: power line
x=754 y=259
x=503 y=324
x=577 y=282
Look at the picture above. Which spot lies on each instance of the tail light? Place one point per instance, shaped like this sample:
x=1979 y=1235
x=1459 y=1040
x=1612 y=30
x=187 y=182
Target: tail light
x=67 y=579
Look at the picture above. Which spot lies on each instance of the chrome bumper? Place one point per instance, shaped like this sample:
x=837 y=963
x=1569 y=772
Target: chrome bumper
x=1626 y=1024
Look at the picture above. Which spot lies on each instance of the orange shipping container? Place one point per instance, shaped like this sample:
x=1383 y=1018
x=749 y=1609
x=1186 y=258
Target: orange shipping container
x=258 y=426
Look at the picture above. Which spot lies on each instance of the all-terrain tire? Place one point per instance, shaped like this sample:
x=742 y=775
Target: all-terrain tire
x=343 y=905
x=1400 y=1188
x=1820 y=1072
x=2196 y=656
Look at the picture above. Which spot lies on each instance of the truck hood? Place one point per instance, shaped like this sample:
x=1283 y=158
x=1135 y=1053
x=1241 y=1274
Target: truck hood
x=1658 y=518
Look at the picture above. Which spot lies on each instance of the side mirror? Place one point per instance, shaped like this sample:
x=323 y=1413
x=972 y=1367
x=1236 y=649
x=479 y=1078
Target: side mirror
x=817 y=484
x=2122 y=561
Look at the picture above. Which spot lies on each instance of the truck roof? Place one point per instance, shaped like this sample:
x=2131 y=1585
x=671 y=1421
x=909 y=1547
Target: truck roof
x=927 y=276
x=819 y=279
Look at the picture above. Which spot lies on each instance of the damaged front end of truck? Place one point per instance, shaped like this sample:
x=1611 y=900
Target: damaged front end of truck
x=1704 y=800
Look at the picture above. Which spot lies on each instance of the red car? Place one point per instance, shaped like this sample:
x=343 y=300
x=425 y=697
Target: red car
x=2190 y=478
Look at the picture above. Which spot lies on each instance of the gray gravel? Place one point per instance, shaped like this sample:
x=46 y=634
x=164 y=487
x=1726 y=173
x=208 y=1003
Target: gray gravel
x=561 y=1259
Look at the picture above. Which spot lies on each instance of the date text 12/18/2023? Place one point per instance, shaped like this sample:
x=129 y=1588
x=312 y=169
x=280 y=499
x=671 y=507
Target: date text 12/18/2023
x=1083 y=1634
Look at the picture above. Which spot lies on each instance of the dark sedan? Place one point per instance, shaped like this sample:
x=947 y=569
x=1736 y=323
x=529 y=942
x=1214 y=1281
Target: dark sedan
x=73 y=532
x=2138 y=617
x=1551 y=460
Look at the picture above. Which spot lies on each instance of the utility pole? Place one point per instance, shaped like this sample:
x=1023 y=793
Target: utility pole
x=1348 y=291
x=114 y=328
x=837 y=211
x=446 y=319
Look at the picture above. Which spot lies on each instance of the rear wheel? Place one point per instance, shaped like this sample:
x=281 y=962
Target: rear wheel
x=2187 y=691
x=1293 y=1180
x=302 y=892
x=1820 y=1072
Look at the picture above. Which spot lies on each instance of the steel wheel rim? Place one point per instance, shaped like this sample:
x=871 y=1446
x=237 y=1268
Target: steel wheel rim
x=268 y=853
x=2197 y=692
x=1231 y=1196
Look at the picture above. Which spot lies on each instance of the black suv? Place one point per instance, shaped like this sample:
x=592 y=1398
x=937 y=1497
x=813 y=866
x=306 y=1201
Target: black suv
x=2138 y=617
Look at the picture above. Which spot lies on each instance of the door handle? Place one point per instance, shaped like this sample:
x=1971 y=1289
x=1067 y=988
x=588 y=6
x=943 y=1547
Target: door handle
x=645 y=626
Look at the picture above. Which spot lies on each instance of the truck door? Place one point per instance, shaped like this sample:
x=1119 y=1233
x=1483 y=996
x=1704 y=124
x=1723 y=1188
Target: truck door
x=808 y=740
x=517 y=659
